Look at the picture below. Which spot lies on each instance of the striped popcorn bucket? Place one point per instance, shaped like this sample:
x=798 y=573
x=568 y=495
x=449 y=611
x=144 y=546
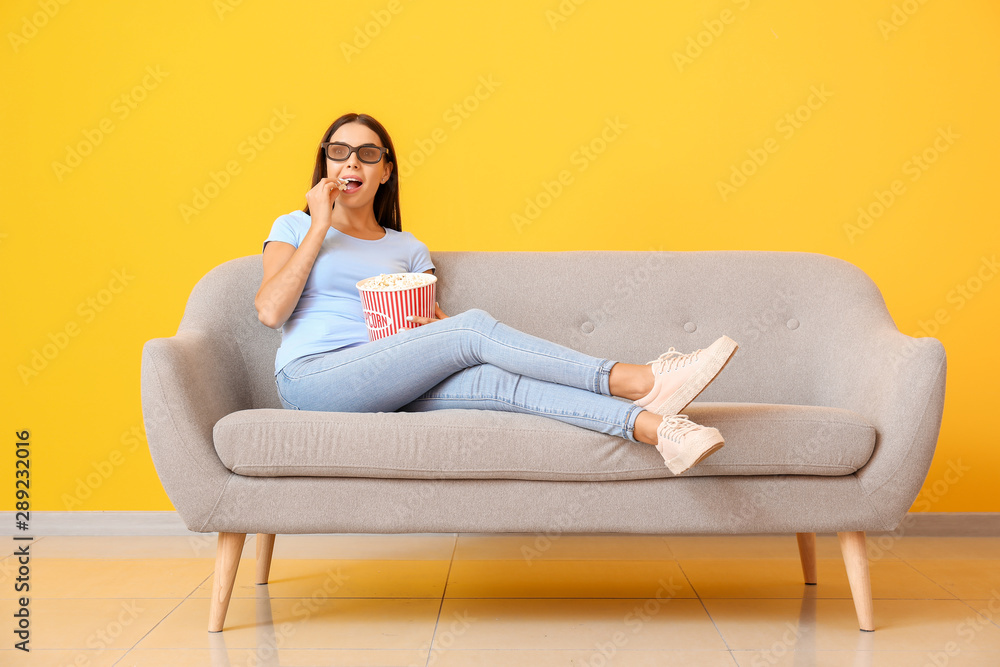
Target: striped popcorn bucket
x=386 y=308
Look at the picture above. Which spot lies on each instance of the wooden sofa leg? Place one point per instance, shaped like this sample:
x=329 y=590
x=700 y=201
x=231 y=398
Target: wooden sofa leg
x=852 y=545
x=807 y=554
x=265 y=547
x=227 y=560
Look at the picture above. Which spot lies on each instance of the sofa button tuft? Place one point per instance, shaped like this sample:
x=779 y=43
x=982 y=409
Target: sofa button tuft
x=793 y=323
x=690 y=327
x=587 y=327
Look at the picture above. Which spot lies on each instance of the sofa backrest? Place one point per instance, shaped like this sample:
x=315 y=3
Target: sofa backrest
x=797 y=316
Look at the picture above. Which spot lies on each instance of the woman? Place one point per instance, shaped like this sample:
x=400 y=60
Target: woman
x=350 y=230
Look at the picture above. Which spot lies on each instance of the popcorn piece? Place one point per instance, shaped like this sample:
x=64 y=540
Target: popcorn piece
x=389 y=281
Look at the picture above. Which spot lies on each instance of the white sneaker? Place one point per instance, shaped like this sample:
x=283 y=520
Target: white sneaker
x=679 y=378
x=683 y=444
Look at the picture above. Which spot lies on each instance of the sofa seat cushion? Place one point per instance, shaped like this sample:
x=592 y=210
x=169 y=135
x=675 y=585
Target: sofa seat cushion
x=761 y=439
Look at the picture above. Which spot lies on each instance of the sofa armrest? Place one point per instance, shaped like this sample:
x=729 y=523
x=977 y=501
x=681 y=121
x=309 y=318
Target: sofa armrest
x=189 y=381
x=897 y=382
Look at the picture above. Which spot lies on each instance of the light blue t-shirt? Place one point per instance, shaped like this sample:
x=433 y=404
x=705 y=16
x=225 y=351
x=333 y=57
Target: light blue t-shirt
x=328 y=315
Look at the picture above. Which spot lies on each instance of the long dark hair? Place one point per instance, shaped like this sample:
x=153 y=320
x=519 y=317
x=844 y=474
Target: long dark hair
x=386 y=204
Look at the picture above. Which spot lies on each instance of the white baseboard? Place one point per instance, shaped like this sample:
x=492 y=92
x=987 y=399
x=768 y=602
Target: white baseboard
x=927 y=524
x=97 y=523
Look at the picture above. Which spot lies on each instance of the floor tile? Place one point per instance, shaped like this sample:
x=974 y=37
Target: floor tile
x=561 y=546
x=525 y=598
x=321 y=622
x=608 y=655
x=273 y=656
x=37 y=657
x=966 y=579
x=989 y=609
x=867 y=658
x=106 y=578
x=566 y=579
x=340 y=578
x=8 y=573
x=782 y=578
x=532 y=624
x=96 y=624
x=900 y=625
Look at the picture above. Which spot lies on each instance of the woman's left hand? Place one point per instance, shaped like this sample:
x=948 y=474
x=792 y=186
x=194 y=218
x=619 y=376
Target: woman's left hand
x=424 y=320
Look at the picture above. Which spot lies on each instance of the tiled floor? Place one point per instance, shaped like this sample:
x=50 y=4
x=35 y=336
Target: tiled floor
x=517 y=600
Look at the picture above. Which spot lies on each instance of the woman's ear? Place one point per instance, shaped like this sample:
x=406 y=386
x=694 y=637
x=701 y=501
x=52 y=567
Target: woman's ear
x=387 y=171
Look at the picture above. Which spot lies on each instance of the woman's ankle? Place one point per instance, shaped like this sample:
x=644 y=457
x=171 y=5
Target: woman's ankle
x=630 y=381
x=645 y=427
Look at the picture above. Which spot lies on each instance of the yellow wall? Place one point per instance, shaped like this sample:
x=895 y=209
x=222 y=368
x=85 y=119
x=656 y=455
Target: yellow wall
x=487 y=102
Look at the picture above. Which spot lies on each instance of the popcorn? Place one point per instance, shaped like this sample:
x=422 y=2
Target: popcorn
x=391 y=281
x=389 y=298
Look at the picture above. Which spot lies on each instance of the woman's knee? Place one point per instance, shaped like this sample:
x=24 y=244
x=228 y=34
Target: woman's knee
x=490 y=381
x=478 y=315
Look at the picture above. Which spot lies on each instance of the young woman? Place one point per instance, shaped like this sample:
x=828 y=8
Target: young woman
x=349 y=230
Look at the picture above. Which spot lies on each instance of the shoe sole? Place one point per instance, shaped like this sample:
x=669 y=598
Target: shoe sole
x=705 y=454
x=683 y=396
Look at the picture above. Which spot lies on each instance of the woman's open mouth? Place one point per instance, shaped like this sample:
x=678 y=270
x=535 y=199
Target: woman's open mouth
x=353 y=184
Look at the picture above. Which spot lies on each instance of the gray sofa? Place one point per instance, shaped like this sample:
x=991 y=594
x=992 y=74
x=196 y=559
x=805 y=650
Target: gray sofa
x=830 y=414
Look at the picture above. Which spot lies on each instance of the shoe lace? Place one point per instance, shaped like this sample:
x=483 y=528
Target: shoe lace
x=672 y=360
x=679 y=424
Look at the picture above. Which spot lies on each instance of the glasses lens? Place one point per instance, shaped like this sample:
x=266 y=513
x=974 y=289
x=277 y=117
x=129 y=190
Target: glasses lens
x=337 y=151
x=369 y=154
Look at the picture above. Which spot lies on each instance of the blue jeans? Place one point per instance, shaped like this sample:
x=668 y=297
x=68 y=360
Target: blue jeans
x=468 y=361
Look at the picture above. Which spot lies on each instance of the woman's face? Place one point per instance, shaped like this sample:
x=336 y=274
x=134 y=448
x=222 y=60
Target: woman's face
x=370 y=175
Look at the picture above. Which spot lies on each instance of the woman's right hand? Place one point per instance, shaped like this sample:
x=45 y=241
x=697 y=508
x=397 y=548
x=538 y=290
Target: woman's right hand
x=321 y=199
